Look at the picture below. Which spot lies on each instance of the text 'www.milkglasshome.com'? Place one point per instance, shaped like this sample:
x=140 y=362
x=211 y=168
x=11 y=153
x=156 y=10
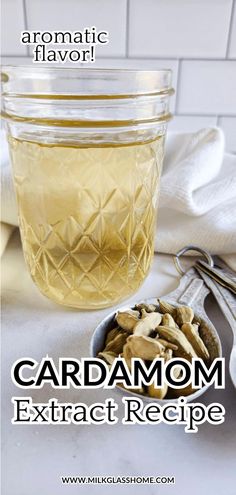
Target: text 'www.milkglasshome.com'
x=117 y=480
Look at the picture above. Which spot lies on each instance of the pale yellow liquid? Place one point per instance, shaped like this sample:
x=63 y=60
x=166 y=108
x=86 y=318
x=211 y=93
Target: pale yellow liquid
x=87 y=217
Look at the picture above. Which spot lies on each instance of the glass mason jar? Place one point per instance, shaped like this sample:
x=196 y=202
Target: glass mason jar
x=86 y=148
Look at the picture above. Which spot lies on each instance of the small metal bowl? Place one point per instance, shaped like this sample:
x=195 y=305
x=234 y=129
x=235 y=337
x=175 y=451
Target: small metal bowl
x=209 y=337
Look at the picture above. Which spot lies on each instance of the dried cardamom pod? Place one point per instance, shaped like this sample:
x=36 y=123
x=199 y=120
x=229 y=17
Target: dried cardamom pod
x=116 y=345
x=127 y=319
x=196 y=341
x=147 y=324
x=196 y=327
x=107 y=356
x=112 y=334
x=145 y=347
x=167 y=344
x=172 y=331
x=157 y=393
x=176 y=337
x=149 y=308
x=168 y=321
x=144 y=313
x=127 y=354
x=183 y=314
x=165 y=307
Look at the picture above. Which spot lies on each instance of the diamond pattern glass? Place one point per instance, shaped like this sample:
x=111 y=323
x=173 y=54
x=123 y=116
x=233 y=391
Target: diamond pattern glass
x=87 y=217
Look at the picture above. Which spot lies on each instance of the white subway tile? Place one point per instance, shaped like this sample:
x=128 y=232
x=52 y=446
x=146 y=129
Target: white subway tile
x=183 y=28
x=12 y=25
x=191 y=123
x=232 y=46
x=228 y=124
x=75 y=15
x=207 y=87
x=140 y=64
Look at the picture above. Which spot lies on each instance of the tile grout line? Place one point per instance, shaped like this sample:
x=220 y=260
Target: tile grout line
x=207 y=115
x=201 y=115
x=173 y=59
x=15 y=56
x=230 y=30
x=25 y=23
x=127 y=29
x=150 y=59
x=187 y=59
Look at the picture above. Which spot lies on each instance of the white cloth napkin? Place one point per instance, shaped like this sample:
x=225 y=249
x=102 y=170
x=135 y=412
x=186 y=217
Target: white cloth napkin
x=198 y=194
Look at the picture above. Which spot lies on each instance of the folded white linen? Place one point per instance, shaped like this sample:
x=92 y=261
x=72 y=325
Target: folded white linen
x=198 y=194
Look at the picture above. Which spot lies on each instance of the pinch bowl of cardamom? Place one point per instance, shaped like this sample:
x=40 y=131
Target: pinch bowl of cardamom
x=153 y=329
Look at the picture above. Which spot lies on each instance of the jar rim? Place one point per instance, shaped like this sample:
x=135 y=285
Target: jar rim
x=30 y=81
x=90 y=69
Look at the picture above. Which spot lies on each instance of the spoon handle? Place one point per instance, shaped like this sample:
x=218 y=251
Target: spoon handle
x=191 y=292
x=227 y=303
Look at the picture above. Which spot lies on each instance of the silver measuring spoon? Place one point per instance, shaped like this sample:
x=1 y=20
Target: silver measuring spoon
x=221 y=281
x=191 y=292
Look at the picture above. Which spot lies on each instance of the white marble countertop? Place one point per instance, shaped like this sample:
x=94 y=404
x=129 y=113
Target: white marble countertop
x=36 y=456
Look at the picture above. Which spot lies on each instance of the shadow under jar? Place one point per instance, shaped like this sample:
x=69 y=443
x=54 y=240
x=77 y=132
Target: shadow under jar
x=87 y=148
